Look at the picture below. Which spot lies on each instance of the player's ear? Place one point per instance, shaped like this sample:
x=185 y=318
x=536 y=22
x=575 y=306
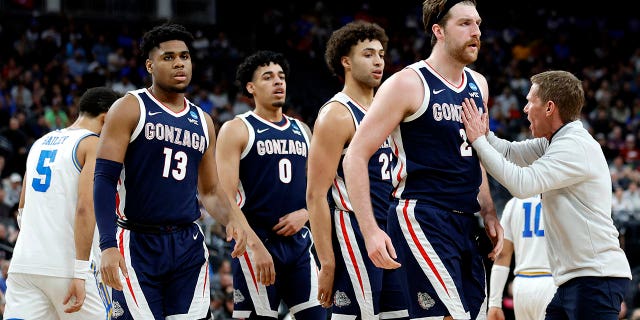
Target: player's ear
x=345 y=61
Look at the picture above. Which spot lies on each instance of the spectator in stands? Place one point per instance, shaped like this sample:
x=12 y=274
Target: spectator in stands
x=6 y=247
x=124 y=85
x=12 y=188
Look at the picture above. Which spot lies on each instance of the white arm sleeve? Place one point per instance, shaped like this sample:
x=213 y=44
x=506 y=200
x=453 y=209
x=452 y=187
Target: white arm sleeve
x=499 y=275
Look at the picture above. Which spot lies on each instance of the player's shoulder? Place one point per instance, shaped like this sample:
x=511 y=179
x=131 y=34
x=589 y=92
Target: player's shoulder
x=235 y=129
x=334 y=113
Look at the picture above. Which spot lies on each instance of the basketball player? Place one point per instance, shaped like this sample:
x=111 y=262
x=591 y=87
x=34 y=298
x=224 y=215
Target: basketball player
x=53 y=269
x=262 y=156
x=439 y=185
x=566 y=165
x=157 y=149
x=348 y=279
x=533 y=286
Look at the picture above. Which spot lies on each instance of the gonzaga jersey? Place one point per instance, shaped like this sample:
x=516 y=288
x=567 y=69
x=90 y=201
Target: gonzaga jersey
x=523 y=224
x=380 y=166
x=436 y=163
x=46 y=245
x=272 y=174
x=160 y=175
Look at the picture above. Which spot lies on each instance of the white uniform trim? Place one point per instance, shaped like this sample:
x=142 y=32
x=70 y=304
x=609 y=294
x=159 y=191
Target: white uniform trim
x=431 y=264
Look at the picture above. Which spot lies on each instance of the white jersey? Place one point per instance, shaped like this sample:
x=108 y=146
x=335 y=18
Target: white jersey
x=45 y=245
x=523 y=223
x=573 y=177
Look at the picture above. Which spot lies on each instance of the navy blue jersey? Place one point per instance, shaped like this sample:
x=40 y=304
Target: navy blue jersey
x=273 y=177
x=436 y=163
x=160 y=174
x=380 y=166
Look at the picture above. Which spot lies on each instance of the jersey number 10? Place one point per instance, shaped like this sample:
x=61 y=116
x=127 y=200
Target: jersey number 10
x=537 y=231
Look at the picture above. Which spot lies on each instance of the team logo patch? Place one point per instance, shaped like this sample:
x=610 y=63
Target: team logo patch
x=473 y=86
x=193 y=114
x=425 y=301
x=340 y=299
x=116 y=310
x=237 y=296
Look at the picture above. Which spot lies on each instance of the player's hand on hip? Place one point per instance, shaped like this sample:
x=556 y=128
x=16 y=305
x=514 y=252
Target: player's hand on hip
x=291 y=223
x=236 y=231
x=495 y=314
x=475 y=123
x=496 y=234
x=325 y=286
x=264 y=268
x=75 y=296
x=381 y=250
x=113 y=262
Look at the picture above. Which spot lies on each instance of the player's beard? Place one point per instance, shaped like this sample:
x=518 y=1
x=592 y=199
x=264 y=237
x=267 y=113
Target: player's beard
x=461 y=54
x=278 y=104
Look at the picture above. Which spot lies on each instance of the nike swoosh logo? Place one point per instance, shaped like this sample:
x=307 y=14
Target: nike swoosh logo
x=437 y=91
x=262 y=130
x=304 y=235
x=154 y=113
x=195 y=236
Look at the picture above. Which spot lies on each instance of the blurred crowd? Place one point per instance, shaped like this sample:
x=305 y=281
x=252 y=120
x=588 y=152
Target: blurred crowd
x=47 y=61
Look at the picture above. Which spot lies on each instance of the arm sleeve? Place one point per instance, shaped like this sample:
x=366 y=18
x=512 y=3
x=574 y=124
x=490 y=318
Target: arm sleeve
x=562 y=165
x=106 y=178
x=522 y=153
x=499 y=275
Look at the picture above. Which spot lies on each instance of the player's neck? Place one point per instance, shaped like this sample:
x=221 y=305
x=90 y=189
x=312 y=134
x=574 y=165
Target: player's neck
x=447 y=67
x=172 y=100
x=271 y=114
x=86 y=123
x=359 y=92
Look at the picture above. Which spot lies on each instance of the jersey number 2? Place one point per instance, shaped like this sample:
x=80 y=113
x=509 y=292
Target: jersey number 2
x=537 y=231
x=465 y=149
x=42 y=183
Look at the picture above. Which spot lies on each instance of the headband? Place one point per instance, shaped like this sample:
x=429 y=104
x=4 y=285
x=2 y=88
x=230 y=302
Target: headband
x=447 y=6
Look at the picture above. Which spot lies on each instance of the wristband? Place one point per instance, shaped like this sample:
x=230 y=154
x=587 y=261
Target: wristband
x=499 y=275
x=81 y=269
x=19 y=217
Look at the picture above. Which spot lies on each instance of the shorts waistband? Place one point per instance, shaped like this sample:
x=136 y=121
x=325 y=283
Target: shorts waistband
x=533 y=274
x=151 y=228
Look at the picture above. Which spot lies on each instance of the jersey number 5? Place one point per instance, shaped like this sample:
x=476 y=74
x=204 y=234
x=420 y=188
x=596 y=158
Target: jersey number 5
x=42 y=183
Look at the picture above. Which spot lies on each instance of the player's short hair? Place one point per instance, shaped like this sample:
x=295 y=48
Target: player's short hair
x=341 y=41
x=97 y=100
x=564 y=89
x=245 y=71
x=437 y=12
x=163 y=33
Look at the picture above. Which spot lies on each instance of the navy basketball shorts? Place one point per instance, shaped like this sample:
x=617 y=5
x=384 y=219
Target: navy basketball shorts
x=588 y=298
x=443 y=269
x=360 y=289
x=296 y=281
x=168 y=274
